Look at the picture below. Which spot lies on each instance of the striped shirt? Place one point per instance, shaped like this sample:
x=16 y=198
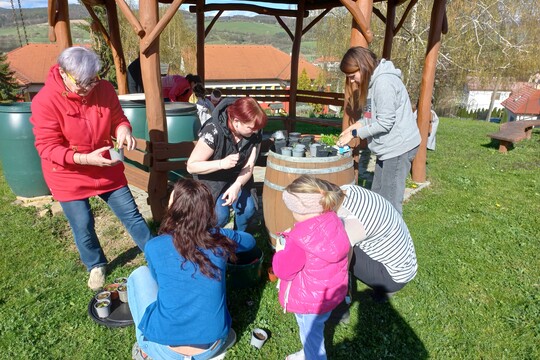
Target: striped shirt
x=388 y=240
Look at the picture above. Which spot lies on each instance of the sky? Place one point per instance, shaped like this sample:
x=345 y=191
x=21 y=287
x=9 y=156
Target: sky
x=43 y=3
x=29 y=3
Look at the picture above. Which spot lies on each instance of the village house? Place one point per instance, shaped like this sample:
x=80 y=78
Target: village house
x=247 y=67
x=523 y=104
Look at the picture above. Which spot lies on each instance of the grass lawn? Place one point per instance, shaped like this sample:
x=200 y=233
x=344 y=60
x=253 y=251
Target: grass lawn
x=476 y=296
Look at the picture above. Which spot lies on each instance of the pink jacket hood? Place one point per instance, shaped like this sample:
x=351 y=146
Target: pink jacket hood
x=322 y=281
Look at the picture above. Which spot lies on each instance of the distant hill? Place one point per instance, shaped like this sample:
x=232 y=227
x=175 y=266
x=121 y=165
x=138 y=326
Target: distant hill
x=237 y=29
x=36 y=15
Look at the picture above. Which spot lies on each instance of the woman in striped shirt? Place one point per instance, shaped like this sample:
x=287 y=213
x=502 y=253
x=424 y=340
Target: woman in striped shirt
x=383 y=251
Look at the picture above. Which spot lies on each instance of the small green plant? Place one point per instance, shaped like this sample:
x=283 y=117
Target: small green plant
x=329 y=139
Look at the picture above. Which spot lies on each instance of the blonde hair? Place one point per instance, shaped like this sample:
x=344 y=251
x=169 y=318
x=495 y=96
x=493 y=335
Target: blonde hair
x=359 y=59
x=332 y=195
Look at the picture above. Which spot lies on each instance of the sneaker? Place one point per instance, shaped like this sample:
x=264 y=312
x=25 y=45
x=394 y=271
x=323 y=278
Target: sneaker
x=381 y=297
x=138 y=354
x=97 y=278
x=296 y=356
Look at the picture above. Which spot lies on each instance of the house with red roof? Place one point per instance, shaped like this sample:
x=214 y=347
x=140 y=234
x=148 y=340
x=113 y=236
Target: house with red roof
x=31 y=64
x=523 y=104
x=251 y=67
x=226 y=66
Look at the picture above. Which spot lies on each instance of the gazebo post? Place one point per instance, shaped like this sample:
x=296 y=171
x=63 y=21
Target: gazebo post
x=155 y=110
x=295 y=55
x=116 y=48
x=438 y=14
x=201 y=35
x=389 y=30
x=61 y=25
x=365 y=7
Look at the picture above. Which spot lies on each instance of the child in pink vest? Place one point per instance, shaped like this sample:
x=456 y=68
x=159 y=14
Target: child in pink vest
x=312 y=265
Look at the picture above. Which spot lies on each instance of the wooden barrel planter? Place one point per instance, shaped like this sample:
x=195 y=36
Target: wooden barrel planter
x=282 y=170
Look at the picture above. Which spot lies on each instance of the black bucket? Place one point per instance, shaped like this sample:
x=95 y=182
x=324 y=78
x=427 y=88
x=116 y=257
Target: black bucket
x=246 y=272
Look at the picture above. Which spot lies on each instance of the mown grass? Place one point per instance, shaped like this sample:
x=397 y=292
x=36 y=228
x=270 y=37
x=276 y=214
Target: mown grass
x=476 y=296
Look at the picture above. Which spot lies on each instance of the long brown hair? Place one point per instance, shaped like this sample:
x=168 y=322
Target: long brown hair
x=191 y=221
x=359 y=59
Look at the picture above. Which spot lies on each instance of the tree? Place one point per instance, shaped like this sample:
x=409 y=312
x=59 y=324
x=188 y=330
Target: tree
x=9 y=89
x=177 y=43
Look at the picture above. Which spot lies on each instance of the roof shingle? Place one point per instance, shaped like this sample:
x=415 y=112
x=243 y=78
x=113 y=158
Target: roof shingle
x=524 y=101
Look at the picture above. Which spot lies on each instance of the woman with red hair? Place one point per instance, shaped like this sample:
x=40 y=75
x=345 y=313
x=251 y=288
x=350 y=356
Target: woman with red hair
x=225 y=156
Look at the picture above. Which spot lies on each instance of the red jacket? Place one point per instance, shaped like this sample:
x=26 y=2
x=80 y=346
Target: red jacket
x=66 y=123
x=313 y=267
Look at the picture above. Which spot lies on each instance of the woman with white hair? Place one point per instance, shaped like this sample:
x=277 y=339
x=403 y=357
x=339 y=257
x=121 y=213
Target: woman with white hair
x=76 y=115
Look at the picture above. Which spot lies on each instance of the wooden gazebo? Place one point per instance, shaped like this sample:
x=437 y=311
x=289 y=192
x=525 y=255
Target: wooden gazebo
x=149 y=26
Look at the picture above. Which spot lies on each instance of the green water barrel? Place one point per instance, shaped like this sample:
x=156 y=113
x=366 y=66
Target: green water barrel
x=182 y=121
x=134 y=106
x=20 y=161
x=182 y=125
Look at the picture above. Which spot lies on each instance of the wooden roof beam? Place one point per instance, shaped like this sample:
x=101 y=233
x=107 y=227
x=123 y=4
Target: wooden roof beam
x=130 y=17
x=359 y=19
x=315 y=21
x=211 y=25
x=162 y=23
x=98 y=23
x=405 y=14
x=285 y=27
x=246 y=7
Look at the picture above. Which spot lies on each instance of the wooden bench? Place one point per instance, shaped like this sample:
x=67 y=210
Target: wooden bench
x=512 y=132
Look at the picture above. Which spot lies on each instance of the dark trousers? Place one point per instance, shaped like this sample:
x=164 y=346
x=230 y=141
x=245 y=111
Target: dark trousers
x=373 y=273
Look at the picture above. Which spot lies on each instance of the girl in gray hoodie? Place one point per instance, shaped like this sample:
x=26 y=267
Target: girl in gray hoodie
x=387 y=120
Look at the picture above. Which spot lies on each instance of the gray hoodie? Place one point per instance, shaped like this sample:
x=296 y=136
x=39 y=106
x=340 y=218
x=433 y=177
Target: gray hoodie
x=392 y=129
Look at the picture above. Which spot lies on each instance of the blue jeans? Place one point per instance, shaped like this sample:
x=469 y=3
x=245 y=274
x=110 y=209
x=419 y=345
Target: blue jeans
x=81 y=220
x=244 y=209
x=311 y=328
x=142 y=291
x=390 y=176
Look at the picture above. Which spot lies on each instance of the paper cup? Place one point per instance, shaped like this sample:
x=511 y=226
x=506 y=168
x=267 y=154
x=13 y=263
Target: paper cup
x=258 y=337
x=117 y=154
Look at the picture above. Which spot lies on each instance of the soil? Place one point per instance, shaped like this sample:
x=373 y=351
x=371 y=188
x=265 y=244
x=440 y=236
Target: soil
x=259 y=336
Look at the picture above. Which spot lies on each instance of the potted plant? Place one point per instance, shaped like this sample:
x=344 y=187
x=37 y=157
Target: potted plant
x=113 y=289
x=122 y=293
x=103 y=308
x=103 y=295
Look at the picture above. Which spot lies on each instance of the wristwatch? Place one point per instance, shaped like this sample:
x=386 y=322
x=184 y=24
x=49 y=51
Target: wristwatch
x=354 y=133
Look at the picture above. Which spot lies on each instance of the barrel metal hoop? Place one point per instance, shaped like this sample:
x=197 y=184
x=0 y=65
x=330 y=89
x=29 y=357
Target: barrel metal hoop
x=329 y=170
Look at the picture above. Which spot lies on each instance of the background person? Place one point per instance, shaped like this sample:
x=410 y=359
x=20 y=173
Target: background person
x=204 y=106
x=215 y=97
x=176 y=88
x=312 y=266
x=178 y=301
x=75 y=115
x=387 y=122
x=225 y=155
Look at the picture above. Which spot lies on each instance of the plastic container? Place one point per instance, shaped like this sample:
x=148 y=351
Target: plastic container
x=20 y=161
x=247 y=270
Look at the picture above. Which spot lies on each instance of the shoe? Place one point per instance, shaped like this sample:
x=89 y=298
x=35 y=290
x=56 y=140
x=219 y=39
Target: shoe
x=382 y=297
x=340 y=315
x=297 y=356
x=138 y=354
x=97 y=278
x=231 y=340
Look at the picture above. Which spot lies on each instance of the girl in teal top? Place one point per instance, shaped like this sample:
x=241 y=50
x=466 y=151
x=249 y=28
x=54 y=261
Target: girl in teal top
x=178 y=302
